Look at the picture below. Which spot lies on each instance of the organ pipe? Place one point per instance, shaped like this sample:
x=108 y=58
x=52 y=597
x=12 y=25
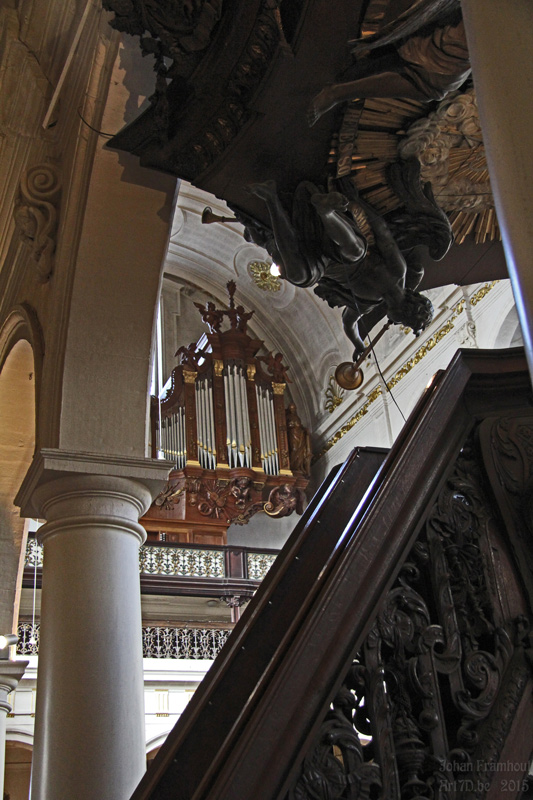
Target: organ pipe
x=189 y=420
x=222 y=422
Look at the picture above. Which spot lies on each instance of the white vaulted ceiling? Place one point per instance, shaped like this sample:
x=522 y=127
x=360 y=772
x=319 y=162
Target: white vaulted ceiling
x=292 y=321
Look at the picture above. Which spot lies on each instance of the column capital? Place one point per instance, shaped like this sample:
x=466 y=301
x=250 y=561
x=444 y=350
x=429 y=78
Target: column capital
x=10 y=674
x=80 y=471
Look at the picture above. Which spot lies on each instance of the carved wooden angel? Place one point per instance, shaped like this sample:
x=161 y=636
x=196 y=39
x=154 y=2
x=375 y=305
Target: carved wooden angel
x=276 y=367
x=422 y=55
x=210 y=316
x=299 y=442
x=188 y=355
x=320 y=243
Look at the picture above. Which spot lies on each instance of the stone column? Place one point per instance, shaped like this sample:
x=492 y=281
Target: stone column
x=500 y=41
x=89 y=722
x=10 y=674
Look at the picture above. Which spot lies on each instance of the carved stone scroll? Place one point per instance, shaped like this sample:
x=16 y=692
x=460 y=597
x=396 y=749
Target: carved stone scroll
x=36 y=213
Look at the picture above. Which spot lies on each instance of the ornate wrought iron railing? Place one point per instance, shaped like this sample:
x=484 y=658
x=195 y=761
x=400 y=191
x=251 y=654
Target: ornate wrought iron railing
x=182 y=561
x=29 y=635
x=171 y=560
x=34 y=554
x=194 y=643
x=198 y=643
x=258 y=564
x=398 y=611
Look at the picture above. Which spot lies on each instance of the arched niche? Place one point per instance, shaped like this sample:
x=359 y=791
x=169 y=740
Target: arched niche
x=18 y=381
x=18 y=767
x=509 y=333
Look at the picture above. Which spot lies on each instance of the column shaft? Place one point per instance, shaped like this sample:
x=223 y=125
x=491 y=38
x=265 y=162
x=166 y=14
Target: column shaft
x=10 y=674
x=5 y=709
x=89 y=732
x=500 y=41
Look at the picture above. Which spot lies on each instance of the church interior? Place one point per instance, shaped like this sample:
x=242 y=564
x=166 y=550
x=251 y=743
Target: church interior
x=265 y=389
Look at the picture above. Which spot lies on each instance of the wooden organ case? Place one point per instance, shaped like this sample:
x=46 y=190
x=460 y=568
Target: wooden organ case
x=223 y=422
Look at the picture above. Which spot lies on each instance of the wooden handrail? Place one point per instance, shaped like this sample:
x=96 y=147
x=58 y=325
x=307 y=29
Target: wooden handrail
x=250 y=724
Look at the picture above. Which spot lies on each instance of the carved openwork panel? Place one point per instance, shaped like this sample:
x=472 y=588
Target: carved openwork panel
x=158 y=641
x=155 y=560
x=429 y=701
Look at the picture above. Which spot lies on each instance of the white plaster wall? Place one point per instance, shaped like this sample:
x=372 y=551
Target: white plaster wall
x=168 y=686
x=474 y=316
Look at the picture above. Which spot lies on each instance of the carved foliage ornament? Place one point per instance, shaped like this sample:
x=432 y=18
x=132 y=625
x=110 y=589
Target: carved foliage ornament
x=508 y=450
x=429 y=700
x=234 y=501
x=36 y=213
x=455 y=124
x=448 y=144
x=180 y=31
x=175 y=28
x=334 y=395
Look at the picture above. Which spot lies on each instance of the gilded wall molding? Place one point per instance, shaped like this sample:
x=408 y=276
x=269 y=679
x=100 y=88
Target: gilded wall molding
x=334 y=395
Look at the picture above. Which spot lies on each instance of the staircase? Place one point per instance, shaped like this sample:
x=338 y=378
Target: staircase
x=388 y=652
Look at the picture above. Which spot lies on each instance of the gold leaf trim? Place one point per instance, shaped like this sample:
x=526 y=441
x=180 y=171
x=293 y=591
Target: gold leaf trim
x=262 y=277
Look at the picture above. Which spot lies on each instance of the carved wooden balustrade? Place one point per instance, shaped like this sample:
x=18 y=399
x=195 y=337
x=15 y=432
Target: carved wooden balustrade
x=387 y=654
x=223 y=422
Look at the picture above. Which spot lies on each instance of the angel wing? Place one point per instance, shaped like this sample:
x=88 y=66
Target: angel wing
x=421 y=14
x=421 y=221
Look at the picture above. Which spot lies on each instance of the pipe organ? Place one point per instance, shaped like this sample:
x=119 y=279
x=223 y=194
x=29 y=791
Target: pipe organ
x=223 y=424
